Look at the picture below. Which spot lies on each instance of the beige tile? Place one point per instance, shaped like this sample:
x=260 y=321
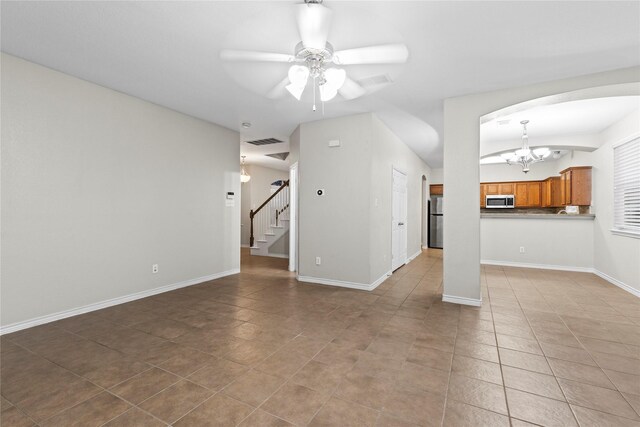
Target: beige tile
x=388 y=420
x=377 y=366
x=614 y=362
x=97 y=410
x=519 y=344
x=144 y=385
x=430 y=358
x=571 y=354
x=218 y=374
x=305 y=345
x=598 y=398
x=339 y=412
x=253 y=388
x=319 y=376
x=626 y=383
x=175 y=401
x=415 y=406
x=218 y=410
x=539 y=410
x=578 y=372
x=135 y=417
x=476 y=368
x=459 y=414
x=365 y=390
x=532 y=382
x=422 y=378
x=477 y=393
x=527 y=361
x=295 y=403
x=260 y=418
x=283 y=363
x=477 y=350
x=187 y=362
x=589 y=417
x=13 y=417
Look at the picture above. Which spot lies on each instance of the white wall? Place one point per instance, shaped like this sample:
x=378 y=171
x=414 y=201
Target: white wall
x=256 y=191
x=504 y=172
x=350 y=226
x=335 y=226
x=566 y=243
x=462 y=170
x=97 y=186
x=614 y=255
x=390 y=152
x=437 y=176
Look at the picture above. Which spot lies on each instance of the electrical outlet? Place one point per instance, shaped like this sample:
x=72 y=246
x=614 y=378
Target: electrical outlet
x=318 y=260
x=521 y=249
x=154 y=268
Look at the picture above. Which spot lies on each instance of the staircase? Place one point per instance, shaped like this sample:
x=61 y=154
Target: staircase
x=270 y=222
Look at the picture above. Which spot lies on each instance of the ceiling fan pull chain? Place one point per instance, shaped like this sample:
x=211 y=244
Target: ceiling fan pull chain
x=314 y=93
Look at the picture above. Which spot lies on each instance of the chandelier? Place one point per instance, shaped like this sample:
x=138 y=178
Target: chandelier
x=244 y=176
x=525 y=156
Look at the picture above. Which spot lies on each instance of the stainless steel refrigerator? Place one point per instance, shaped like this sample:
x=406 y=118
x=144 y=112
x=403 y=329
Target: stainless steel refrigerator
x=435 y=222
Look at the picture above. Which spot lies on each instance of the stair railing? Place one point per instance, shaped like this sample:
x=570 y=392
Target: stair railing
x=269 y=213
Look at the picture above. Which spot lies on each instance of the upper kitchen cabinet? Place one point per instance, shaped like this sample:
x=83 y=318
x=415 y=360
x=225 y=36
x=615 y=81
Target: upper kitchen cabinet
x=527 y=194
x=436 y=189
x=493 y=188
x=551 y=192
x=575 y=186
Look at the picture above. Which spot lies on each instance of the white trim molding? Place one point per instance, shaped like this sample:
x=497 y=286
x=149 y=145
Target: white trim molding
x=414 y=256
x=538 y=266
x=617 y=283
x=598 y=273
x=462 y=300
x=343 y=284
x=18 y=326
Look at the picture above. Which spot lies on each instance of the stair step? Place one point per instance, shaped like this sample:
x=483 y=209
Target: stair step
x=254 y=247
x=261 y=241
x=269 y=234
x=277 y=226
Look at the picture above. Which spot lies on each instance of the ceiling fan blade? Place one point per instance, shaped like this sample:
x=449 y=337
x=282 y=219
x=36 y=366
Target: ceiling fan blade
x=314 y=21
x=351 y=90
x=278 y=91
x=382 y=54
x=253 y=56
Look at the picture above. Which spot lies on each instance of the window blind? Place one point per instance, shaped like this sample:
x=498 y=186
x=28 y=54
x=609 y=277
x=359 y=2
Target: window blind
x=626 y=187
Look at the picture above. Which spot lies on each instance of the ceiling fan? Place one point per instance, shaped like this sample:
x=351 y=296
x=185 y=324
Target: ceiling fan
x=314 y=58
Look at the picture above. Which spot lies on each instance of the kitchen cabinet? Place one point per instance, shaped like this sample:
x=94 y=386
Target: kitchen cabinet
x=483 y=194
x=551 y=192
x=575 y=186
x=507 y=188
x=436 y=189
x=492 y=188
x=527 y=194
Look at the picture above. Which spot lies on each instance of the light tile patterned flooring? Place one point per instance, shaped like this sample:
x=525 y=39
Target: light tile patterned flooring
x=260 y=349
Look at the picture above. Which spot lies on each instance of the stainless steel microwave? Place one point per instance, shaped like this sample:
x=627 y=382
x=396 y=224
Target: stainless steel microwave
x=500 y=201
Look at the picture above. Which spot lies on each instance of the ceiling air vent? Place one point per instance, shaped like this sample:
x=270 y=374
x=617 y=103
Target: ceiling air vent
x=265 y=141
x=375 y=80
x=279 y=156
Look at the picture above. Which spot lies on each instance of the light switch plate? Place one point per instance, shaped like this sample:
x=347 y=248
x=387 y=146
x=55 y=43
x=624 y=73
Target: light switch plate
x=334 y=143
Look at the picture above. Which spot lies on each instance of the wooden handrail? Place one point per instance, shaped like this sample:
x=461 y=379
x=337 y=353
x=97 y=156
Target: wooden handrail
x=253 y=213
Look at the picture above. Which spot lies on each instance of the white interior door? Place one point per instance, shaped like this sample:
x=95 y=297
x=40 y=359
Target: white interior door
x=399 y=221
x=293 y=217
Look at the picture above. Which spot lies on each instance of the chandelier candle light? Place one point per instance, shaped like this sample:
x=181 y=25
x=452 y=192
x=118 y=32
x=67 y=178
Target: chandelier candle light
x=525 y=156
x=244 y=176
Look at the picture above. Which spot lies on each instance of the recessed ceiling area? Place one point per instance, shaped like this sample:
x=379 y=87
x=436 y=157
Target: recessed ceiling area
x=168 y=53
x=565 y=126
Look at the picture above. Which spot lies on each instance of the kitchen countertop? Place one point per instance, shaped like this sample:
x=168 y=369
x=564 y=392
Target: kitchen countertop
x=537 y=216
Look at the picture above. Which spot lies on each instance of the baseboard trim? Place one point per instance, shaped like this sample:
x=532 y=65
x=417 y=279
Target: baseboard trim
x=425 y=247
x=598 y=273
x=617 y=283
x=414 y=256
x=18 y=326
x=537 y=266
x=343 y=284
x=462 y=300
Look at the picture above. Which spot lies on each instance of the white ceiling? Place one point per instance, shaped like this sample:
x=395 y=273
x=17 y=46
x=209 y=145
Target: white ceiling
x=168 y=53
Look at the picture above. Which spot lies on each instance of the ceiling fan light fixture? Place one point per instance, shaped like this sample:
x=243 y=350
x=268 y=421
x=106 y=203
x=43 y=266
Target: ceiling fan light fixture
x=314 y=21
x=327 y=92
x=335 y=77
x=295 y=90
x=298 y=75
x=542 y=152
